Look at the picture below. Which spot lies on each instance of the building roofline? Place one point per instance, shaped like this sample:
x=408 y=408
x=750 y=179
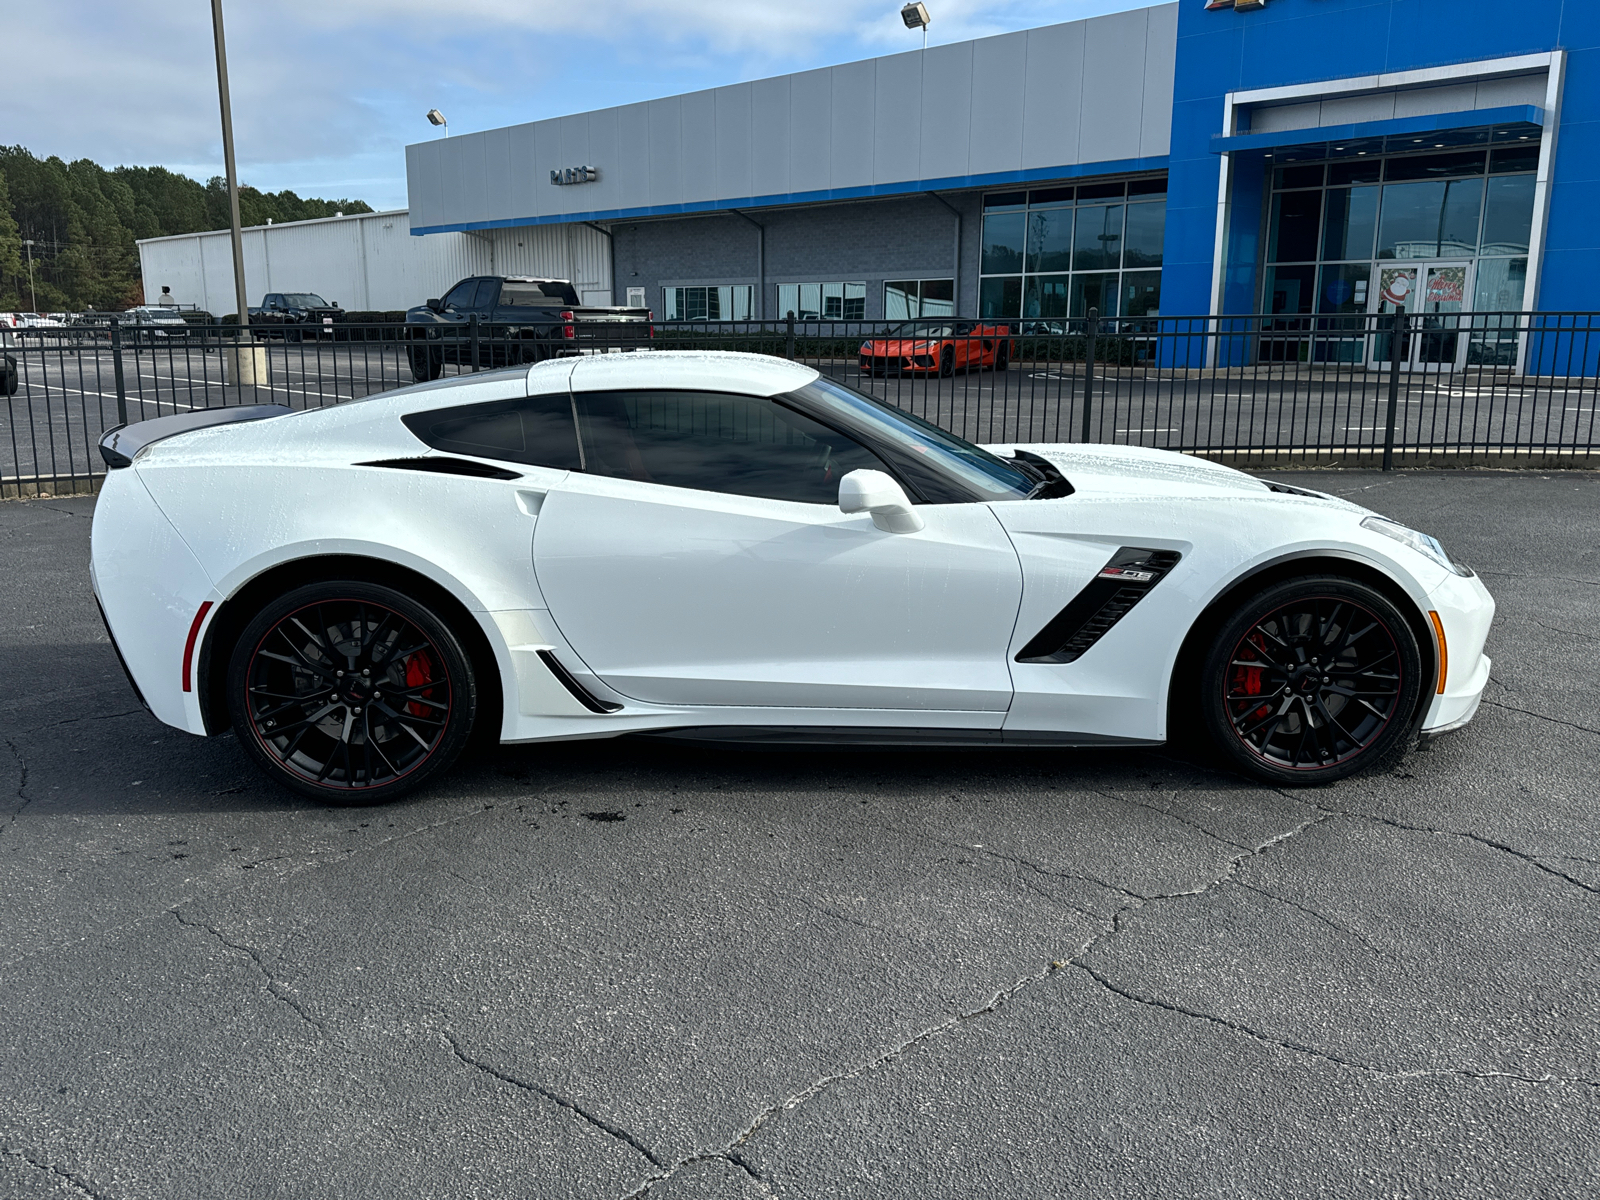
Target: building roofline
x=825 y=195
x=172 y=237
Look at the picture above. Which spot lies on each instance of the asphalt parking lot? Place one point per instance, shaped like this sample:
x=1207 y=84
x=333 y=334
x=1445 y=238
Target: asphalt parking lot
x=612 y=968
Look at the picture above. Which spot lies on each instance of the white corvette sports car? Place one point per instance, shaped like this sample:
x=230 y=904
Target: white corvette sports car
x=736 y=548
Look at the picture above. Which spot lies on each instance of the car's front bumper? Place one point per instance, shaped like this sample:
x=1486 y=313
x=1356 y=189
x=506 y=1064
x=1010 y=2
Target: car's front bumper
x=1466 y=610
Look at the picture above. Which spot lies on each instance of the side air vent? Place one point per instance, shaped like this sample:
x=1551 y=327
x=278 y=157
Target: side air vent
x=1121 y=583
x=1289 y=490
x=444 y=466
x=579 y=692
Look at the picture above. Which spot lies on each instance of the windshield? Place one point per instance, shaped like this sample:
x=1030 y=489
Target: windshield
x=553 y=293
x=921 y=330
x=305 y=300
x=944 y=468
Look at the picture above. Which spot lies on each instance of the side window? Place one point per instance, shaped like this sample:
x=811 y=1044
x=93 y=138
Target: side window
x=461 y=295
x=716 y=442
x=488 y=292
x=537 y=430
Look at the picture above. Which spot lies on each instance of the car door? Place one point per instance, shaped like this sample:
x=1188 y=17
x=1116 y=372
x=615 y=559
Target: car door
x=700 y=558
x=454 y=312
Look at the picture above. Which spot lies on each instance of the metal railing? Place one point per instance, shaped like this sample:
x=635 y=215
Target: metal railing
x=1367 y=389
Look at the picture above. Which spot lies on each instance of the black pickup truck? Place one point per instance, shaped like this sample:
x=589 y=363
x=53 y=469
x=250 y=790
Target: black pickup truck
x=519 y=320
x=293 y=315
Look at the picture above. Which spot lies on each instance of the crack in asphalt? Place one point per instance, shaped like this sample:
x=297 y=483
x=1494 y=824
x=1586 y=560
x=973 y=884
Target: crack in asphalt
x=1529 y=712
x=22 y=784
x=132 y=712
x=69 y=1178
x=1216 y=837
x=1310 y=912
x=1302 y=1048
x=1558 y=578
x=273 y=986
x=996 y=1001
x=1530 y=859
x=1569 y=632
x=599 y=1122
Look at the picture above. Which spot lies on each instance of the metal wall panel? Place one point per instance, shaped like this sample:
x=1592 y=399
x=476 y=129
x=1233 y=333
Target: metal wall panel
x=733 y=140
x=897 y=117
x=367 y=262
x=666 y=145
x=1160 y=68
x=999 y=77
x=632 y=171
x=769 y=147
x=1113 y=95
x=946 y=110
x=1051 y=97
x=697 y=148
x=992 y=106
x=810 y=130
x=852 y=96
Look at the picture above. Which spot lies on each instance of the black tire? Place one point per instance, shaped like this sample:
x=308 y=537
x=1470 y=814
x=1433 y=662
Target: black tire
x=1300 y=685
x=947 y=362
x=1002 y=357
x=292 y=335
x=315 y=725
x=426 y=364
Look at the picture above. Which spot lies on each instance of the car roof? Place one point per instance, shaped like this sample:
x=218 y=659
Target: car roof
x=748 y=374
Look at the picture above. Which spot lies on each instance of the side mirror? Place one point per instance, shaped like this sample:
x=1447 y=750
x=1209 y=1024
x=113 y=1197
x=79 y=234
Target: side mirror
x=435 y=305
x=877 y=493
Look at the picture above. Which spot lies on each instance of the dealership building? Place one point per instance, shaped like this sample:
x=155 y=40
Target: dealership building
x=1294 y=157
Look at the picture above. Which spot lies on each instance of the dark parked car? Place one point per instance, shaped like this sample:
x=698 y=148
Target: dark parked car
x=294 y=315
x=520 y=320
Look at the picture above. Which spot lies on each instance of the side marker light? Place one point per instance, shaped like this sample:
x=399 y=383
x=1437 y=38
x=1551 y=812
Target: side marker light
x=1444 y=650
x=188 y=647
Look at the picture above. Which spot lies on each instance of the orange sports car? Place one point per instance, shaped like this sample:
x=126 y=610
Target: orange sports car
x=929 y=347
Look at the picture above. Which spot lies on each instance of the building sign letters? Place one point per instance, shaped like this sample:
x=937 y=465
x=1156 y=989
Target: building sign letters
x=575 y=175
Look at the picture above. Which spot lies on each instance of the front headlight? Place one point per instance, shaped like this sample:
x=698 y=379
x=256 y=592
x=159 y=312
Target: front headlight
x=1424 y=544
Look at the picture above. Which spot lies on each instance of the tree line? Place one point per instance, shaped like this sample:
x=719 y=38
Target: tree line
x=83 y=221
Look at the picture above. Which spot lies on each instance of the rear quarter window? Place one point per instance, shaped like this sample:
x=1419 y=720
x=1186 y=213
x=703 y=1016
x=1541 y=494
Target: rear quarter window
x=535 y=430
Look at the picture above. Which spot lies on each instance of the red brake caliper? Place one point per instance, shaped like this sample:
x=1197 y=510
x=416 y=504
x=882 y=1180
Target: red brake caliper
x=419 y=670
x=1248 y=679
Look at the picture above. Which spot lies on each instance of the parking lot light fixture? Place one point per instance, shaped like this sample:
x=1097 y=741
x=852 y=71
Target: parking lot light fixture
x=916 y=17
x=435 y=117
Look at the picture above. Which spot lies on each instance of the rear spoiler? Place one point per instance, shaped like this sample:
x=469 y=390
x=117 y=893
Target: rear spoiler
x=120 y=444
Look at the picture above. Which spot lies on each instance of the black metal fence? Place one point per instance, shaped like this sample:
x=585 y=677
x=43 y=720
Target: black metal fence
x=1361 y=389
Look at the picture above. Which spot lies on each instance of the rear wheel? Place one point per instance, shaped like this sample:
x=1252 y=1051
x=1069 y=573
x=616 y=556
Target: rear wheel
x=351 y=693
x=1312 y=680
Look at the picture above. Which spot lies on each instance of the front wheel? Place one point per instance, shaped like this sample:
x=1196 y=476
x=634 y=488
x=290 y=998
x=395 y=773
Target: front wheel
x=1002 y=357
x=1312 y=680
x=947 y=362
x=351 y=693
x=426 y=364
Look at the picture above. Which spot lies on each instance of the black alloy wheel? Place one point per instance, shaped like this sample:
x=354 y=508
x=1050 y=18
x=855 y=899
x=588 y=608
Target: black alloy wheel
x=1002 y=357
x=947 y=362
x=1312 y=680
x=351 y=693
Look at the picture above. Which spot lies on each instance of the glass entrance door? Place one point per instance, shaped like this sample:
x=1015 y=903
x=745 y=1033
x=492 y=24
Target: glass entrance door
x=1436 y=296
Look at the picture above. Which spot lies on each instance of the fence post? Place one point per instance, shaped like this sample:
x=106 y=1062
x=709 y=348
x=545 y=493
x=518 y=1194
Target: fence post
x=789 y=344
x=1396 y=338
x=472 y=324
x=1091 y=329
x=116 y=370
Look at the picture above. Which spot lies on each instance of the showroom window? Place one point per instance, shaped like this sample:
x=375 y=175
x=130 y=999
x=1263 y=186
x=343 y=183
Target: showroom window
x=823 y=301
x=1444 y=230
x=708 y=303
x=1054 y=253
x=915 y=298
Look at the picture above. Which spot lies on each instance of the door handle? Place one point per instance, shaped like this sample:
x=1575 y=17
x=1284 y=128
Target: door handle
x=530 y=501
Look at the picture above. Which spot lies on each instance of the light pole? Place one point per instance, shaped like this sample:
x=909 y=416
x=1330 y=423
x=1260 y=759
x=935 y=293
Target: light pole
x=33 y=297
x=437 y=118
x=916 y=17
x=240 y=298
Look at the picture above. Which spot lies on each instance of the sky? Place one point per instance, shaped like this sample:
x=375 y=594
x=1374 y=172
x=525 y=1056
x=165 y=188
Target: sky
x=327 y=93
